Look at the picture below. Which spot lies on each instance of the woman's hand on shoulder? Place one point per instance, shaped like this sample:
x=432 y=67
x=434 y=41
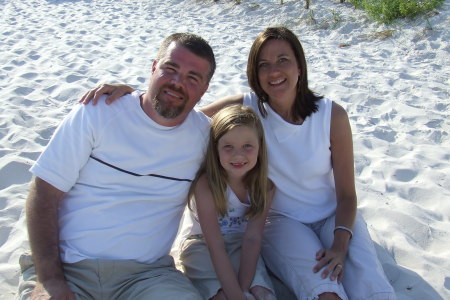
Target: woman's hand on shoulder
x=115 y=91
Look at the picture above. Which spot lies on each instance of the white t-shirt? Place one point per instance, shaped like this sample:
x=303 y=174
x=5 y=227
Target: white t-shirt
x=110 y=214
x=300 y=162
x=234 y=221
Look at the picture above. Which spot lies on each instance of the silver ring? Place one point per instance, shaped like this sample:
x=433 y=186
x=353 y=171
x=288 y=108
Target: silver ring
x=338 y=265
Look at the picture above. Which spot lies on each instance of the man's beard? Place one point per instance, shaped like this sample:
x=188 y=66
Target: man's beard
x=165 y=108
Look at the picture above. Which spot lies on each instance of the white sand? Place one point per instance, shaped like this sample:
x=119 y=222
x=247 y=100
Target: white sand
x=395 y=89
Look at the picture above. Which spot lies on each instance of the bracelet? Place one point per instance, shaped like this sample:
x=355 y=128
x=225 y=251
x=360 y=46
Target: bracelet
x=344 y=228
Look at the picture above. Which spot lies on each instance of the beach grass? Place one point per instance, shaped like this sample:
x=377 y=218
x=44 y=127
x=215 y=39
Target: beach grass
x=387 y=11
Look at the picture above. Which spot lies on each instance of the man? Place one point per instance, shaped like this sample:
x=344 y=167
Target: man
x=111 y=186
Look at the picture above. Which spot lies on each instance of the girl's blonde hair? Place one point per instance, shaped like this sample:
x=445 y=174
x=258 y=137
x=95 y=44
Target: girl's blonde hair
x=255 y=180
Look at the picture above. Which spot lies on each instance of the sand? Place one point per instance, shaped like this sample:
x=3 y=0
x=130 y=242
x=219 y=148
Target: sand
x=393 y=81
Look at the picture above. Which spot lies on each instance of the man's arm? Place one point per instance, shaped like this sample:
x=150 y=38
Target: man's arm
x=42 y=220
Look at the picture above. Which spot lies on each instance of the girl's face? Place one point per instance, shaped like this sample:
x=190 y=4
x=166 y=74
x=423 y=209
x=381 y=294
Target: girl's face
x=278 y=70
x=238 y=150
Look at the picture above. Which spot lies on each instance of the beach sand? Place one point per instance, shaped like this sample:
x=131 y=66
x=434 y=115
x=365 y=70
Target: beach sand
x=392 y=80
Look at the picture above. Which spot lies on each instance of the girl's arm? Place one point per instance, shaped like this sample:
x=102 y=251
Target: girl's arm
x=251 y=244
x=344 y=177
x=207 y=215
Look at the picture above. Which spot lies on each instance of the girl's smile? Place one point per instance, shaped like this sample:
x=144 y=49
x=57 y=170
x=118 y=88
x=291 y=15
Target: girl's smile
x=238 y=150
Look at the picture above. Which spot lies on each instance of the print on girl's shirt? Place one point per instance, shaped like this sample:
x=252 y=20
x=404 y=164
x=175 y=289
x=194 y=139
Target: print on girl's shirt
x=232 y=221
x=235 y=220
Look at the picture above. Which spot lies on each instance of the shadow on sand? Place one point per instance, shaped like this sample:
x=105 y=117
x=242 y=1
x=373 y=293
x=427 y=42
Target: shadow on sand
x=407 y=284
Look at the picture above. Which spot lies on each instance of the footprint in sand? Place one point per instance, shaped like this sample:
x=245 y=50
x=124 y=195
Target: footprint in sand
x=14 y=173
x=385 y=134
x=23 y=91
x=447 y=283
x=404 y=175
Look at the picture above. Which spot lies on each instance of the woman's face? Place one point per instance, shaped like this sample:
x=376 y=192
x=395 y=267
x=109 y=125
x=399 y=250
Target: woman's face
x=278 y=71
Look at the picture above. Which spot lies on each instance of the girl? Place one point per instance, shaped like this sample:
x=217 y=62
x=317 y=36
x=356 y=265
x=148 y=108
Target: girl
x=229 y=201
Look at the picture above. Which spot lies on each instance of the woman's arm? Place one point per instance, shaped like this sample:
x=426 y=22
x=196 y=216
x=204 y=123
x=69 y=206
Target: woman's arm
x=207 y=215
x=251 y=244
x=344 y=177
x=217 y=105
x=115 y=91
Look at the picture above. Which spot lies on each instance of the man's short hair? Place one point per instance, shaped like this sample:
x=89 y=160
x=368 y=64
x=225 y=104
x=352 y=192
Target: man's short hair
x=194 y=43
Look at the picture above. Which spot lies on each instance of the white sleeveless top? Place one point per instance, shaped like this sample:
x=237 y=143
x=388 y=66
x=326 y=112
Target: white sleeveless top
x=300 y=162
x=233 y=222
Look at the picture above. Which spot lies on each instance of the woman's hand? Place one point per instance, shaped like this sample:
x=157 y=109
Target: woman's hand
x=333 y=261
x=115 y=91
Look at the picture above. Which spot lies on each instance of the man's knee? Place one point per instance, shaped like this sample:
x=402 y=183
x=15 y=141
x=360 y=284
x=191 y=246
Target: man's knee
x=28 y=277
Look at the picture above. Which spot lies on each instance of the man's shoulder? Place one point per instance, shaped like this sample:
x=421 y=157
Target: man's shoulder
x=102 y=109
x=198 y=116
x=196 y=123
x=128 y=101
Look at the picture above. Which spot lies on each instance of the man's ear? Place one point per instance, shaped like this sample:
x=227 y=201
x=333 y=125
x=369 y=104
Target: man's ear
x=155 y=62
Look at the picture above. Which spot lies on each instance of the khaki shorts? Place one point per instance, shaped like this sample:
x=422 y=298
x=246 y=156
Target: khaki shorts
x=197 y=265
x=117 y=279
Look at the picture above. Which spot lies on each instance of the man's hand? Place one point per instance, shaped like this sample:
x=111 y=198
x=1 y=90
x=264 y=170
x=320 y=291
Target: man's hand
x=54 y=290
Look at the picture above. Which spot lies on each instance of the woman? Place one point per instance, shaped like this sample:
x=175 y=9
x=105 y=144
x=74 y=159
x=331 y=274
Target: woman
x=314 y=238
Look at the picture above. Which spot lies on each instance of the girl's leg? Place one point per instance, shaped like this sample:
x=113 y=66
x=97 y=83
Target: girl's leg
x=289 y=250
x=329 y=296
x=198 y=267
x=262 y=293
x=219 y=296
x=364 y=277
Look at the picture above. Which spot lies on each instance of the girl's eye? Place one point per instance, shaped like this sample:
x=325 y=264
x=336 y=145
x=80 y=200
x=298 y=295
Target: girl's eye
x=248 y=146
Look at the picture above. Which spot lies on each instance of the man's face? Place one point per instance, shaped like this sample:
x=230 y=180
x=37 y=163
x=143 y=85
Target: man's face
x=178 y=81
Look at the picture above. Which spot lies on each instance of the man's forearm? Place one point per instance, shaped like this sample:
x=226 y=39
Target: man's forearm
x=43 y=229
